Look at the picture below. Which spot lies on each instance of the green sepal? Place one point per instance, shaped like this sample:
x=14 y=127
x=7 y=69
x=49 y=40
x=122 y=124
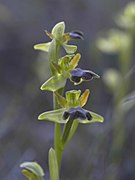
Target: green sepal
x=53 y=165
x=42 y=46
x=57 y=117
x=58 y=31
x=70 y=49
x=52 y=51
x=54 y=116
x=32 y=170
x=54 y=83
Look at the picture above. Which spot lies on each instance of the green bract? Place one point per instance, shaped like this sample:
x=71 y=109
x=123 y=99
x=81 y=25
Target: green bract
x=53 y=165
x=65 y=69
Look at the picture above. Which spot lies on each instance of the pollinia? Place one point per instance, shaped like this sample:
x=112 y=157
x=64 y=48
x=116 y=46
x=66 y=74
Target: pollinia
x=68 y=111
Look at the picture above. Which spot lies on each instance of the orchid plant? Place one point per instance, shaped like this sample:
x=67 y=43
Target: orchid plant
x=68 y=111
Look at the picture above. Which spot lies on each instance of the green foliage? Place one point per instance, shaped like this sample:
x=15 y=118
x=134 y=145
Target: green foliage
x=114 y=42
x=118 y=81
x=126 y=18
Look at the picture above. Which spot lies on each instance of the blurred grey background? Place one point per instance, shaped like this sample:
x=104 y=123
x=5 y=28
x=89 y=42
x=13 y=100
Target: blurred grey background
x=23 y=70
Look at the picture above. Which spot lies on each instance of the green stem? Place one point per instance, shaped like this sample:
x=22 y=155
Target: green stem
x=53 y=57
x=58 y=146
x=119 y=132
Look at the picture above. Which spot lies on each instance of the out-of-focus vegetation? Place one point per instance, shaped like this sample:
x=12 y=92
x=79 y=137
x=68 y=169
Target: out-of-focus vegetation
x=100 y=151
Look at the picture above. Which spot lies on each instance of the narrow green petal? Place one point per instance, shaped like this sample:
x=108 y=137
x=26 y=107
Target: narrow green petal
x=70 y=49
x=74 y=61
x=54 y=116
x=42 y=46
x=54 y=83
x=84 y=97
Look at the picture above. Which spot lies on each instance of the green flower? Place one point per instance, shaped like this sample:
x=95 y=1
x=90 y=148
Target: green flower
x=126 y=18
x=58 y=34
x=114 y=42
x=66 y=69
x=72 y=109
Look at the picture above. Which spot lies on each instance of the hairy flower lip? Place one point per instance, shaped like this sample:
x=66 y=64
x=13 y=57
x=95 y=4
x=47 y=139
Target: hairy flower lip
x=77 y=113
x=77 y=74
x=76 y=79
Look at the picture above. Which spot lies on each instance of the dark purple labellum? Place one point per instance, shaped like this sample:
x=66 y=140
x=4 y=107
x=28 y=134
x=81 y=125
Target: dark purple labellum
x=76 y=35
x=77 y=113
x=87 y=75
x=88 y=115
x=75 y=79
x=65 y=115
x=78 y=74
